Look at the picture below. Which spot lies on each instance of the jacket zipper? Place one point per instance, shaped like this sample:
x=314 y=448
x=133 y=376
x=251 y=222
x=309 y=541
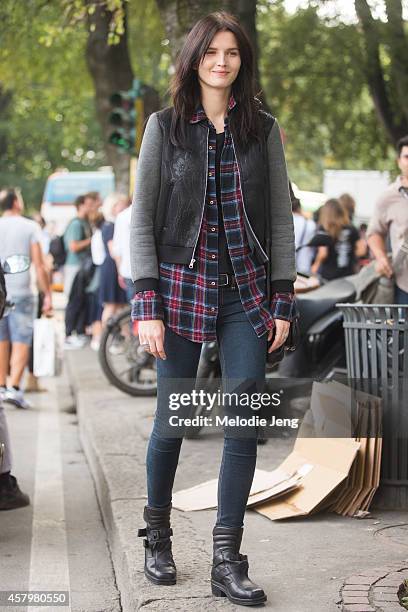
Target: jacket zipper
x=243 y=204
x=191 y=264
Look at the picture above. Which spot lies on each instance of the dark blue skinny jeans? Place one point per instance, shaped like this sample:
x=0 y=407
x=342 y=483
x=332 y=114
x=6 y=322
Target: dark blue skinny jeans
x=242 y=355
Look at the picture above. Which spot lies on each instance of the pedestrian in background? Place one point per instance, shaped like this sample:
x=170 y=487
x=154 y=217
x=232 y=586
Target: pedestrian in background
x=77 y=241
x=340 y=258
x=11 y=496
x=304 y=231
x=121 y=251
x=198 y=250
x=349 y=204
x=19 y=236
x=32 y=384
x=95 y=307
x=390 y=221
x=111 y=295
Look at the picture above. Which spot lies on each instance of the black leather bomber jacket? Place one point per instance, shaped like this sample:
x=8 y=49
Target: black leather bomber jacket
x=168 y=209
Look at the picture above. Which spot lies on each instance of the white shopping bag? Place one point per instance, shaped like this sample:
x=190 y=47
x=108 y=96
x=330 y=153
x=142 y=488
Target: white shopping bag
x=45 y=348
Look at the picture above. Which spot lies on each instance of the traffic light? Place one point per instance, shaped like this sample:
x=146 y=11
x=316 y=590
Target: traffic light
x=127 y=117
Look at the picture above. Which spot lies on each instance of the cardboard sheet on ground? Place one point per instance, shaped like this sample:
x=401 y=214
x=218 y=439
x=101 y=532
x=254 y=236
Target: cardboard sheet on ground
x=353 y=494
x=331 y=459
x=264 y=486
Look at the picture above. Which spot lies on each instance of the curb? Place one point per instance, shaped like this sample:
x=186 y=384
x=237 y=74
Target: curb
x=122 y=507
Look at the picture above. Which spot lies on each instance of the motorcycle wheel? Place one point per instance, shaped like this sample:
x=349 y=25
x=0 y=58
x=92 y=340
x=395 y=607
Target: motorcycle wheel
x=125 y=364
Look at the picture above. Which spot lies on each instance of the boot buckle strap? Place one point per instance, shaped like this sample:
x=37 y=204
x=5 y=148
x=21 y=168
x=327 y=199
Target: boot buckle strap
x=154 y=535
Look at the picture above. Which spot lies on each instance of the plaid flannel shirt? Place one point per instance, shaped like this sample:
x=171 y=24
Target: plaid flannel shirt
x=187 y=300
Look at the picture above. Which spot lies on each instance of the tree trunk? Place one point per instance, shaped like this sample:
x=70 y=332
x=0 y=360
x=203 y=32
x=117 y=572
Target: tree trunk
x=398 y=49
x=5 y=103
x=111 y=71
x=395 y=125
x=179 y=16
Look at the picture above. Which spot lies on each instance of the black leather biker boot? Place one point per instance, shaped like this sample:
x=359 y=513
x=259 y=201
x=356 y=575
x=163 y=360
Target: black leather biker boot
x=159 y=565
x=229 y=574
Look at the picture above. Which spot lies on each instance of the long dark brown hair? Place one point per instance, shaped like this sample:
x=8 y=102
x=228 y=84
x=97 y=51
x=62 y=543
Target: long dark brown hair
x=185 y=87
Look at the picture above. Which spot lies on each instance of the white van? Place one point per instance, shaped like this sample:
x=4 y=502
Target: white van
x=63 y=187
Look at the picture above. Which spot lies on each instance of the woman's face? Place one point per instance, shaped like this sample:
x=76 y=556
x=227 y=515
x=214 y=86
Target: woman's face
x=221 y=63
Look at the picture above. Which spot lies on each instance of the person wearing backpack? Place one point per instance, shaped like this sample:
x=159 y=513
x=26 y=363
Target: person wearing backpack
x=77 y=242
x=77 y=245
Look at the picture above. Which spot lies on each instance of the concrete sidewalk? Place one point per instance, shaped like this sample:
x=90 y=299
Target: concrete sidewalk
x=318 y=564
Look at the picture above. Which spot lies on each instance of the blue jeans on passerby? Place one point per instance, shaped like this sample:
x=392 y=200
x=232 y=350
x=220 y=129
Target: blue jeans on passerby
x=242 y=356
x=18 y=325
x=401 y=297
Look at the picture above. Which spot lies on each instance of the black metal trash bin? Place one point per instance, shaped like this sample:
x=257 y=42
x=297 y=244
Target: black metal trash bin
x=376 y=338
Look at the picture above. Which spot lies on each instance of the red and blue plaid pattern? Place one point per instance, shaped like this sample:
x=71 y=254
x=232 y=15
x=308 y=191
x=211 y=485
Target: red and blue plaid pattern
x=187 y=300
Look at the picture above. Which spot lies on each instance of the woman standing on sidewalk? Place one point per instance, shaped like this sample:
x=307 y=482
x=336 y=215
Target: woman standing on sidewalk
x=198 y=245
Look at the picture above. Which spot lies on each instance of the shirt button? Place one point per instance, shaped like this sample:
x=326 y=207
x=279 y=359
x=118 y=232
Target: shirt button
x=212 y=256
x=210 y=147
x=211 y=201
x=212 y=309
x=213 y=282
x=210 y=174
x=213 y=229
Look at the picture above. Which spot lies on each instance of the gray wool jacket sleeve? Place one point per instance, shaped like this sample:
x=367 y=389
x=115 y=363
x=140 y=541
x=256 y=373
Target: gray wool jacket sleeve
x=283 y=265
x=143 y=254
x=144 y=262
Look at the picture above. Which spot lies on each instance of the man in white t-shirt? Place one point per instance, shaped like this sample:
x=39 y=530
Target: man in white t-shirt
x=19 y=236
x=121 y=250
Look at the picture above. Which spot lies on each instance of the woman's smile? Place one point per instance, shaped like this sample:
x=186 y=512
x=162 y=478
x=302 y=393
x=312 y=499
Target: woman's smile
x=221 y=62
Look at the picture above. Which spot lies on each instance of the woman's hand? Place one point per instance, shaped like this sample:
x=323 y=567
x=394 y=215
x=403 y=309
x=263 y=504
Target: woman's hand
x=151 y=334
x=282 y=330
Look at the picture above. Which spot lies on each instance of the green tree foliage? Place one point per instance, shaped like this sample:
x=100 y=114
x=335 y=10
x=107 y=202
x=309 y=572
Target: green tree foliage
x=312 y=71
x=49 y=121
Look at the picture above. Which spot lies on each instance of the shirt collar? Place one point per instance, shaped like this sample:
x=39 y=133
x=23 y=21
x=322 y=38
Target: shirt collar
x=199 y=113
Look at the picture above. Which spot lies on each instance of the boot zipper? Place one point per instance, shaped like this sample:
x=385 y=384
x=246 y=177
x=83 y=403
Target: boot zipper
x=243 y=205
x=191 y=264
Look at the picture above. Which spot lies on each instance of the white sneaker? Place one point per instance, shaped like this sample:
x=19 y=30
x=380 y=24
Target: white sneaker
x=82 y=339
x=3 y=392
x=95 y=344
x=12 y=396
x=74 y=342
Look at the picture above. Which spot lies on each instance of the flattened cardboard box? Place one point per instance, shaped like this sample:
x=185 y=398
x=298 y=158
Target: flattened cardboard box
x=331 y=459
x=264 y=486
